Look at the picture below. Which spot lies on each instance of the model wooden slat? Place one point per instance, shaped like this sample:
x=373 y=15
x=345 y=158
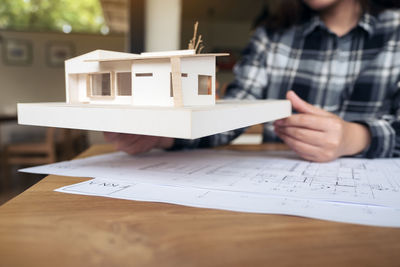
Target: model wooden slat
x=177 y=81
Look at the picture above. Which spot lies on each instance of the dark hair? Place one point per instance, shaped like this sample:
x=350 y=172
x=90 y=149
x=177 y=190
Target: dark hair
x=282 y=14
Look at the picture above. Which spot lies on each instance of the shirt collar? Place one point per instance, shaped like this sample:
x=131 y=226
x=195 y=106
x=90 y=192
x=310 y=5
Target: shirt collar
x=367 y=23
x=312 y=24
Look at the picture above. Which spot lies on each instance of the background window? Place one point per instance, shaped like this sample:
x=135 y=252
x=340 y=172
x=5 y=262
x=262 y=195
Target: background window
x=100 y=84
x=124 y=83
x=205 y=85
x=49 y=15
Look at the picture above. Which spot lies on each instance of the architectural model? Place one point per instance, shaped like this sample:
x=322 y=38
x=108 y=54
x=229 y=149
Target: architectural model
x=163 y=79
x=169 y=93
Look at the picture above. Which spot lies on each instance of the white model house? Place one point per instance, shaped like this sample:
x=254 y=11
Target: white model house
x=169 y=94
x=172 y=78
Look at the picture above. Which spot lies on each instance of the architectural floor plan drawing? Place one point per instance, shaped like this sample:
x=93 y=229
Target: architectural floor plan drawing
x=358 y=181
x=242 y=202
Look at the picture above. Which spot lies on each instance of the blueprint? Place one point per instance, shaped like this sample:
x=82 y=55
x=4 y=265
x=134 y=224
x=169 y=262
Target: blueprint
x=242 y=202
x=346 y=180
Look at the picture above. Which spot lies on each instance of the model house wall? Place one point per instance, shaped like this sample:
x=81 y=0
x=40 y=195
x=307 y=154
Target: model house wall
x=78 y=71
x=199 y=85
x=106 y=77
x=152 y=83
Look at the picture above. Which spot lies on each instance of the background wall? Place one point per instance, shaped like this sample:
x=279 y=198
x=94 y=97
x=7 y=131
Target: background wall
x=39 y=82
x=225 y=25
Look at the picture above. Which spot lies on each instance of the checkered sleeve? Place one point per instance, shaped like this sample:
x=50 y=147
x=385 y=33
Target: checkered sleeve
x=250 y=72
x=250 y=83
x=385 y=132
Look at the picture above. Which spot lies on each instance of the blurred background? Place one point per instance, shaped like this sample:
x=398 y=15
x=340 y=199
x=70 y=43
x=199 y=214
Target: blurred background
x=36 y=36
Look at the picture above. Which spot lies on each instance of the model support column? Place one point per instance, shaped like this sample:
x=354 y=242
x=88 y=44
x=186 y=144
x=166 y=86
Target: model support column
x=177 y=81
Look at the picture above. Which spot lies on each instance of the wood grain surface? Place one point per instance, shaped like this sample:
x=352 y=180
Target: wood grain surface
x=45 y=228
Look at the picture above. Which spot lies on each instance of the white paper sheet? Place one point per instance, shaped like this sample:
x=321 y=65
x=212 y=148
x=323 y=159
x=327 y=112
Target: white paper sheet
x=234 y=201
x=358 y=181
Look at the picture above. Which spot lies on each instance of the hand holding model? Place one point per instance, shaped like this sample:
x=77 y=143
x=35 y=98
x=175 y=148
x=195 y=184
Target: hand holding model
x=317 y=135
x=314 y=134
x=136 y=144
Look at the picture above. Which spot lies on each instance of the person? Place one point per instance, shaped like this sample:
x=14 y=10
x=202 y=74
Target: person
x=337 y=61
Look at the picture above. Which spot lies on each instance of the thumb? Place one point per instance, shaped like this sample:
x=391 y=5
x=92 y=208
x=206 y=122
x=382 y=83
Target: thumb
x=302 y=106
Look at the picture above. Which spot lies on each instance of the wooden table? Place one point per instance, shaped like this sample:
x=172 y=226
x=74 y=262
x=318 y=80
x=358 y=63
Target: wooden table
x=45 y=228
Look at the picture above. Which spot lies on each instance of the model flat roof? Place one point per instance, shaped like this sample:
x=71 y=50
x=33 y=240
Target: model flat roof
x=153 y=56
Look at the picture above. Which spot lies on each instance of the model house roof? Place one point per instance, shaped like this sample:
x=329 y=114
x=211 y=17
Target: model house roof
x=101 y=54
x=105 y=56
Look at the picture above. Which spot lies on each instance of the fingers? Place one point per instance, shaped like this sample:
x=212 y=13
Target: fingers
x=308 y=136
x=314 y=134
x=309 y=121
x=302 y=149
x=307 y=151
x=110 y=136
x=166 y=142
x=125 y=140
x=302 y=106
x=299 y=104
x=141 y=145
x=133 y=143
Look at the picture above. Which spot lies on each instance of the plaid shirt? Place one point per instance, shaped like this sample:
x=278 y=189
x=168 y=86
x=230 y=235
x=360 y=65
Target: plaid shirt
x=355 y=76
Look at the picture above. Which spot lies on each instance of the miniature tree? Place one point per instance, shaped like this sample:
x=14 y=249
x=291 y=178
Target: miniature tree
x=196 y=43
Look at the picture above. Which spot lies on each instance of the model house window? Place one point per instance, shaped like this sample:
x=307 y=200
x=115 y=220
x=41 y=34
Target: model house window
x=171 y=91
x=147 y=74
x=100 y=84
x=124 y=83
x=205 y=85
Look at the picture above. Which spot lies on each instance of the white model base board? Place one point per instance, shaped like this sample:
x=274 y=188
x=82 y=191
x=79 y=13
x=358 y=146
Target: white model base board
x=187 y=122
